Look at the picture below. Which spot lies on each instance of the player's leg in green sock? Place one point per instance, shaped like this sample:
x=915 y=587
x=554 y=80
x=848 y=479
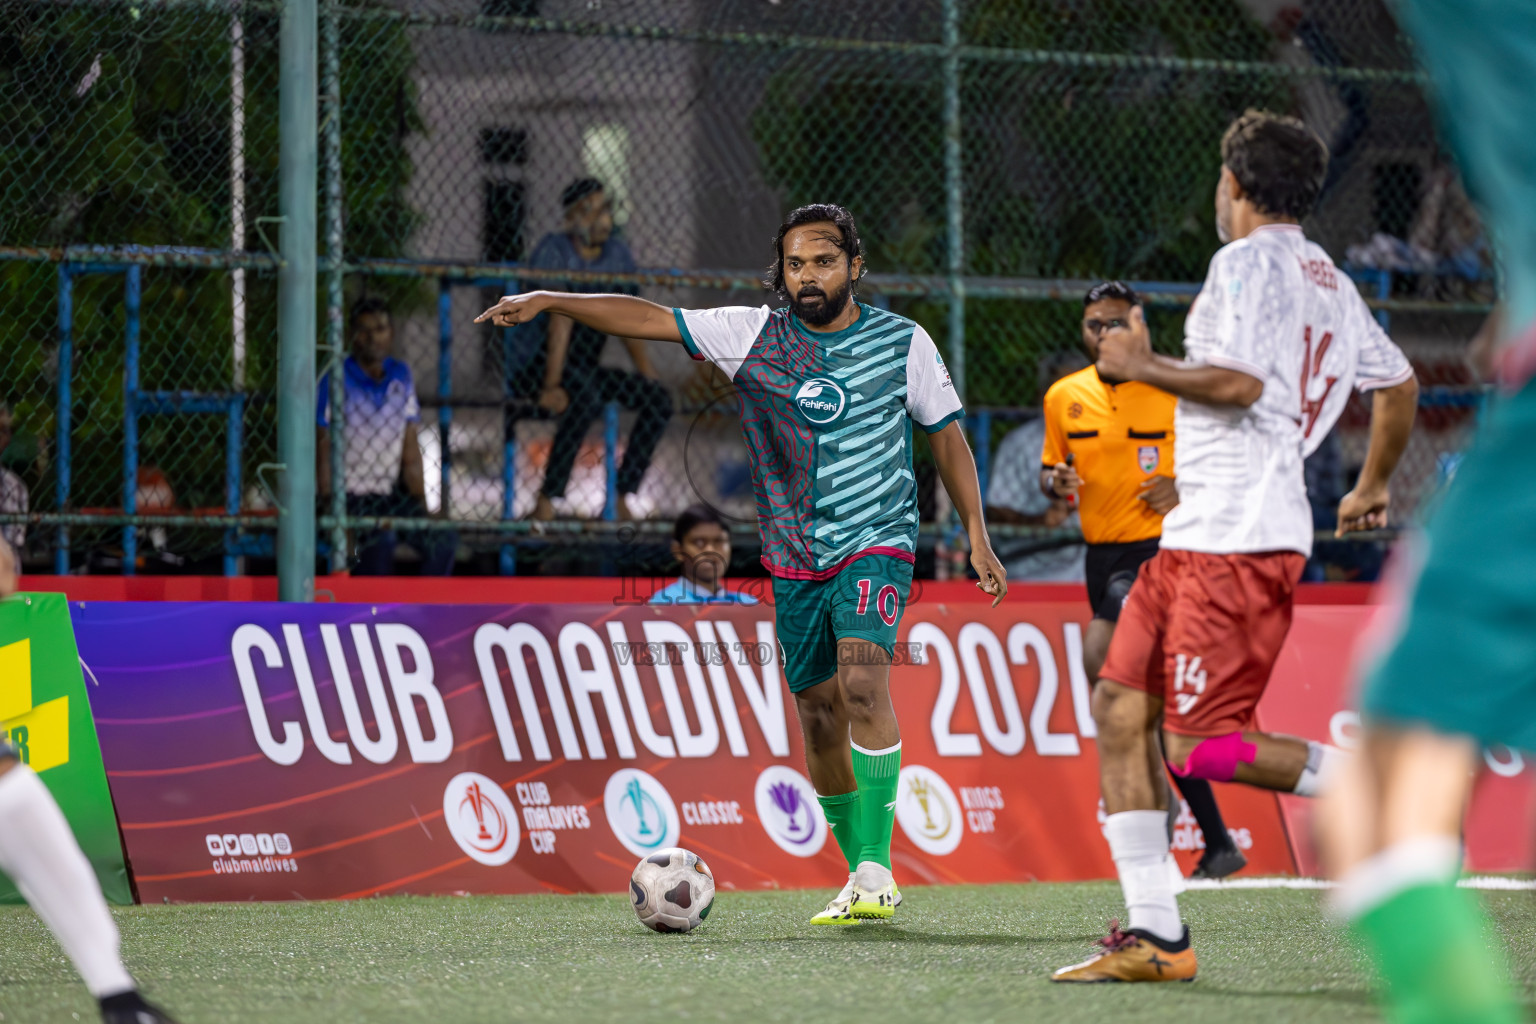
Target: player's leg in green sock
x=1428 y=939
x=843 y=813
x=877 y=772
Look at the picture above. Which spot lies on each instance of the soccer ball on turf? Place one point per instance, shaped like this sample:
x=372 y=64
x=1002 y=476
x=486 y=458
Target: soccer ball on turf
x=672 y=890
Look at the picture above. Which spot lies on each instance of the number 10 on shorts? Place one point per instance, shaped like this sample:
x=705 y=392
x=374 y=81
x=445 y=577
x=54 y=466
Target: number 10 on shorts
x=1187 y=672
x=888 y=597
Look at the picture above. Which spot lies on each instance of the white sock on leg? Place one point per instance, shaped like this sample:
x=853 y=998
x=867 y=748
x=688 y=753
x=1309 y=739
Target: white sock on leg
x=1422 y=860
x=39 y=852
x=1138 y=841
x=1323 y=762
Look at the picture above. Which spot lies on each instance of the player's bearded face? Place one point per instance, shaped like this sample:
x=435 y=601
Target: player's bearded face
x=818 y=307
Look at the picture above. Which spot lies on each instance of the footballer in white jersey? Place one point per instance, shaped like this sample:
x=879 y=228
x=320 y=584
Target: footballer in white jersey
x=1274 y=344
x=1274 y=307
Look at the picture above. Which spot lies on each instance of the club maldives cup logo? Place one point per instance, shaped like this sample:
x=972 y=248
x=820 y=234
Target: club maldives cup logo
x=788 y=811
x=927 y=810
x=821 y=401
x=640 y=812
x=481 y=817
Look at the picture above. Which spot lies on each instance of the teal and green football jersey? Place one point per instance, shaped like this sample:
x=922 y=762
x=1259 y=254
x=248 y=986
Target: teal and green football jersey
x=827 y=418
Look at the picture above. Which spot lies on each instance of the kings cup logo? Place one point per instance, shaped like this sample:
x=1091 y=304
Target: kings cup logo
x=481 y=818
x=927 y=810
x=1147 y=457
x=821 y=401
x=789 y=812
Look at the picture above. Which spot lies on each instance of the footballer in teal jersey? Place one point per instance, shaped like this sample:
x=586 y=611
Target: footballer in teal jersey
x=1453 y=667
x=829 y=389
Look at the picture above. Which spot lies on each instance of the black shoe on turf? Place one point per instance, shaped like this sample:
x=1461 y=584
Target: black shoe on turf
x=1228 y=860
x=130 y=1008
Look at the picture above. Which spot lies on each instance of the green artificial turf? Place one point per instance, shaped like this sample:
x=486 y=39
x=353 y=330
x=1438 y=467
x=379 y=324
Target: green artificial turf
x=956 y=954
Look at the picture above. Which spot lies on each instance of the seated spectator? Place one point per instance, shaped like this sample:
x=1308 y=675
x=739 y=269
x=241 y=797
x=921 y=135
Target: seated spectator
x=702 y=544
x=13 y=492
x=383 y=457
x=565 y=374
x=1014 y=497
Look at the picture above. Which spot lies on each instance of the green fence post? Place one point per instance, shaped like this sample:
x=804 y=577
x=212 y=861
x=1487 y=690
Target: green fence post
x=335 y=324
x=954 y=196
x=297 y=60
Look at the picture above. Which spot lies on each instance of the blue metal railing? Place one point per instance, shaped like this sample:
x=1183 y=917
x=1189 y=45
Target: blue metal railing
x=445 y=322
x=136 y=403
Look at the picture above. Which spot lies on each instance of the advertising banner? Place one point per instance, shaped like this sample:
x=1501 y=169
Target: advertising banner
x=265 y=751
x=45 y=717
x=1309 y=696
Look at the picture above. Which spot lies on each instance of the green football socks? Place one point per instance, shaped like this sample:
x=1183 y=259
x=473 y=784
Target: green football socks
x=842 y=813
x=1429 y=939
x=876 y=772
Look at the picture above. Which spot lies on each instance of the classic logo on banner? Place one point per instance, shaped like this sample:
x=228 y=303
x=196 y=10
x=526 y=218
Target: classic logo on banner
x=787 y=808
x=270 y=751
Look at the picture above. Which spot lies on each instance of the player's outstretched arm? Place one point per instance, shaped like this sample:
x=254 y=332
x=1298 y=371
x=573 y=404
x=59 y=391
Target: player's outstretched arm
x=1392 y=412
x=1125 y=353
x=623 y=315
x=957 y=468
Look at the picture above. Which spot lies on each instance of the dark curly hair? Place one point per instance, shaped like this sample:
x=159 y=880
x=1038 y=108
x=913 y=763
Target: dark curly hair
x=1111 y=290
x=1278 y=160
x=816 y=213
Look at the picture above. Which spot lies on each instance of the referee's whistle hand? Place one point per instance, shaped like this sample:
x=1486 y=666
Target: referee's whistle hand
x=1064 y=480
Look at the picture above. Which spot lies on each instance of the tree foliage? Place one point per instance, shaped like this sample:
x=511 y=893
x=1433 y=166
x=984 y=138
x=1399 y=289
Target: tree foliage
x=115 y=129
x=1070 y=170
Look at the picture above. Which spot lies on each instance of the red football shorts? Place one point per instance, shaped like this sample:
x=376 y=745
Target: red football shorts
x=1202 y=632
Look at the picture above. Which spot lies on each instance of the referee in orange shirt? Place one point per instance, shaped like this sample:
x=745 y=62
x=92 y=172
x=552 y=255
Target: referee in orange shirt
x=1109 y=449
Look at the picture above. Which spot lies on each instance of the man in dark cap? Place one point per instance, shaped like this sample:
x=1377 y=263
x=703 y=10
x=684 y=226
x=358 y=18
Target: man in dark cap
x=565 y=374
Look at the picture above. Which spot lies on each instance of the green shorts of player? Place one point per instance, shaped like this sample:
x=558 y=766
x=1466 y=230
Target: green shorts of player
x=864 y=601
x=1464 y=660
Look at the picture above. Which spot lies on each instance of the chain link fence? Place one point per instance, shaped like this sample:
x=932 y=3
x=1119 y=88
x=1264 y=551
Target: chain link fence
x=999 y=155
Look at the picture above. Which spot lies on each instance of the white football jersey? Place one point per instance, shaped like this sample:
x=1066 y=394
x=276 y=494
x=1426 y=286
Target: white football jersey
x=1274 y=306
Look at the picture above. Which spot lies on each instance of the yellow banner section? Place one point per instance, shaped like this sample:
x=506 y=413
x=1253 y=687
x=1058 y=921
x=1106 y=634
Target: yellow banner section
x=41 y=736
x=15 y=679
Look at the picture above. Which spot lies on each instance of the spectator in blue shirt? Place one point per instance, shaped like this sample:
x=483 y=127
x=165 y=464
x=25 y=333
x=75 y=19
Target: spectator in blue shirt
x=564 y=371
x=383 y=457
x=702 y=544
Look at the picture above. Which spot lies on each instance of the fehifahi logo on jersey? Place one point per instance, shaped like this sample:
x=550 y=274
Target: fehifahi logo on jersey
x=789 y=812
x=927 y=810
x=1147 y=457
x=481 y=818
x=640 y=812
x=821 y=401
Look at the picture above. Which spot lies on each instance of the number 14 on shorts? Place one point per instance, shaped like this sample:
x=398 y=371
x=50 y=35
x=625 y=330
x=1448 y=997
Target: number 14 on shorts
x=1188 y=682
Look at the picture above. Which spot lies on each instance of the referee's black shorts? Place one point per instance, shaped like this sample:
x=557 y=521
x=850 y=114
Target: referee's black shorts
x=1111 y=569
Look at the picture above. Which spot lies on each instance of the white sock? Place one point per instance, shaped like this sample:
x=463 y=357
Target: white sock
x=1418 y=861
x=1323 y=762
x=40 y=854
x=1176 y=875
x=1138 y=841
